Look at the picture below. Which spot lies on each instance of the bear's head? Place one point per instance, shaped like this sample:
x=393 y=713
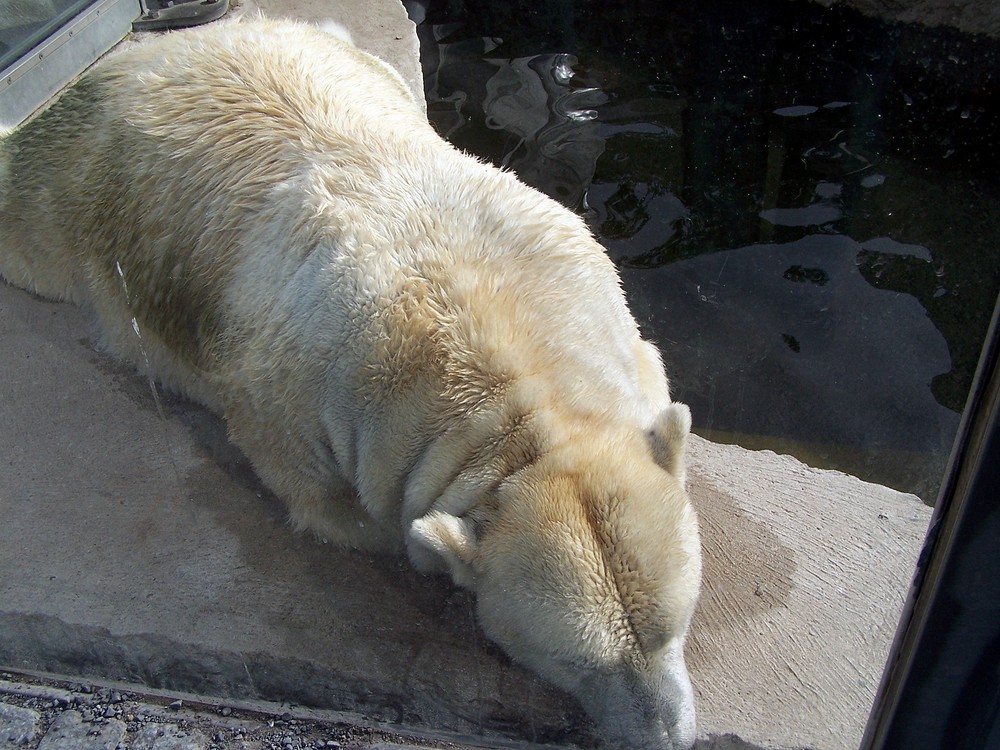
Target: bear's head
x=586 y=566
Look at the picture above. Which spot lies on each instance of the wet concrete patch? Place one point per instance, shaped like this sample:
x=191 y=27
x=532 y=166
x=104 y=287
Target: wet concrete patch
x=740 y=581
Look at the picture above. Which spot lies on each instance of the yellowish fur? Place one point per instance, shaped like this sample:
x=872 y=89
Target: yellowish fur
x=416 y=351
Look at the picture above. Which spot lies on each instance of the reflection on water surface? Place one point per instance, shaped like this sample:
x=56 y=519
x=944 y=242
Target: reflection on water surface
x=803 y=202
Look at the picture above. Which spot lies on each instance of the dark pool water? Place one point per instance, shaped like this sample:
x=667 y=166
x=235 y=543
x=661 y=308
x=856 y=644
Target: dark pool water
x=803 y=202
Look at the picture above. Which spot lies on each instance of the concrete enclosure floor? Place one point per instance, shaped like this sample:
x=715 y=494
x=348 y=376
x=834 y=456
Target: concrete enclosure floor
x=136 y=545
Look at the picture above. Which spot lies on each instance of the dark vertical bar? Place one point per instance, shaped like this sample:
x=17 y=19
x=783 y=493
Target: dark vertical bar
x=941 y=687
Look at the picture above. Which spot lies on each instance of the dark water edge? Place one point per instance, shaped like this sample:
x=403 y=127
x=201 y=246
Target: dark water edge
x=803 y=202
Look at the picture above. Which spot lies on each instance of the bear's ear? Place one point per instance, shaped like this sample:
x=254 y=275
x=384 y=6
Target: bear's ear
x=440 y=537
x=668 y=439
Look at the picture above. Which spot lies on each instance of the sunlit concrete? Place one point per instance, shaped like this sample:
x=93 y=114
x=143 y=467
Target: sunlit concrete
x=137 y=545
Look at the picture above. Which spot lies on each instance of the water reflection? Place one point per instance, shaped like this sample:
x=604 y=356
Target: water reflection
x=791 y=340
x=532 y=98
x=543 y=125
x=799 y=200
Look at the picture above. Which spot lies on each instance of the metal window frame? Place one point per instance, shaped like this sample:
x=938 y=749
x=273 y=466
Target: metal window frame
x=941 y=686
x=39 y=74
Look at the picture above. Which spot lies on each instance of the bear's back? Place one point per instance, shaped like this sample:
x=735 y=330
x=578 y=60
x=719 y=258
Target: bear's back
x=188 y=140
x=269 y=84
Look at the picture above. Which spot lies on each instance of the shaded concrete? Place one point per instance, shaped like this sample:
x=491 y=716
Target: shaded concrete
x=137 y=545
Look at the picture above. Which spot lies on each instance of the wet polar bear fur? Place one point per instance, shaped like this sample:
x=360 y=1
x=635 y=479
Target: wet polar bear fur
x=416 y=351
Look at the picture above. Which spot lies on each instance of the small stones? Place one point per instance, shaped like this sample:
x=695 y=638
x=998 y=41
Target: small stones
x=108 y=719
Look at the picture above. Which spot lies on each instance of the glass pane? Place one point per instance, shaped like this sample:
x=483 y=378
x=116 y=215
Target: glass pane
x=802 y=203
x=26 y=23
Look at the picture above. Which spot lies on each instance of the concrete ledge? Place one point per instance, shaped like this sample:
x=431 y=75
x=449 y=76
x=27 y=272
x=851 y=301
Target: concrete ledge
x=806 y=574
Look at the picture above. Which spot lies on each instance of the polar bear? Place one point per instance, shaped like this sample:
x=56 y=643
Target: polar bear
x=418 y=353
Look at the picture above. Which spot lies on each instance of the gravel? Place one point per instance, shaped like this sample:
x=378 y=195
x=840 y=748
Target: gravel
x=39 y=713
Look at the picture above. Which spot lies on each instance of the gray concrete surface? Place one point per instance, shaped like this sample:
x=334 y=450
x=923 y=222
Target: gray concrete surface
x=137 y=546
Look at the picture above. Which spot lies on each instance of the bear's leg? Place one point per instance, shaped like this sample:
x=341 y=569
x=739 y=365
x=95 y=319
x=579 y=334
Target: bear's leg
x=310 y=484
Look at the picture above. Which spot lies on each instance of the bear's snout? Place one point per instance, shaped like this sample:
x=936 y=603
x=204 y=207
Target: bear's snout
x=651 y=709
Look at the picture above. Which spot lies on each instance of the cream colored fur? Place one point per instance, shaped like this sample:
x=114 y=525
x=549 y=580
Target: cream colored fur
x=416 y=351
